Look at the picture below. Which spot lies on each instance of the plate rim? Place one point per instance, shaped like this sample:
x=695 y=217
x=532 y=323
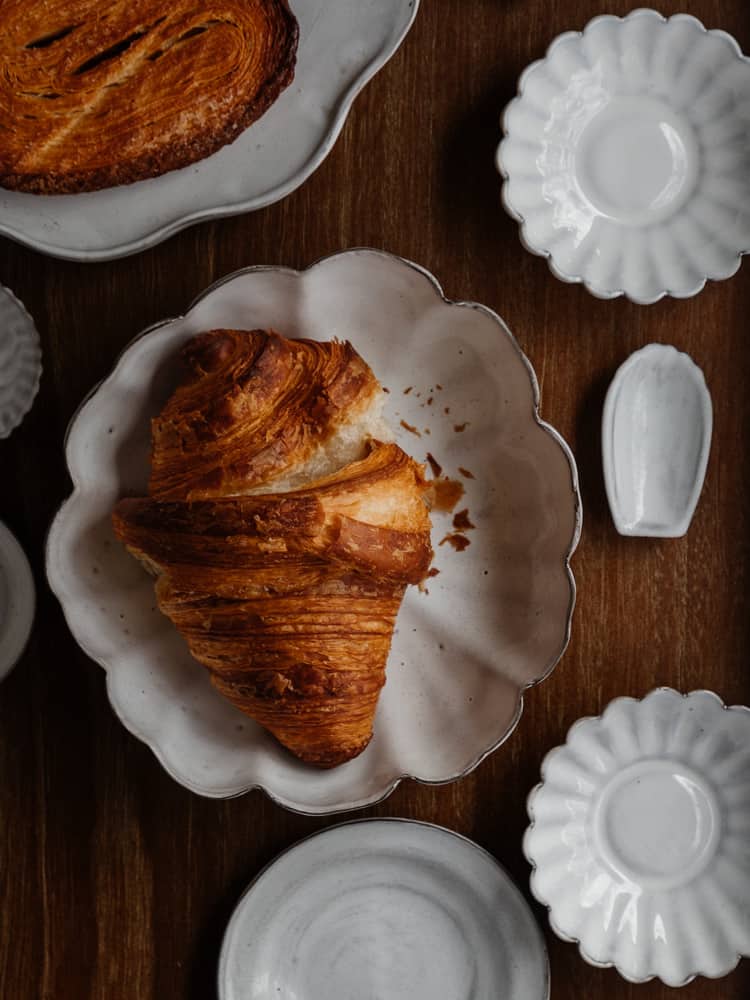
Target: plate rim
x=329 y=137
x=372 y=820
x=380 y=795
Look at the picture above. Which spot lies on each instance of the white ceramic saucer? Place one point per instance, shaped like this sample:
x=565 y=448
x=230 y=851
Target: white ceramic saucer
x=20 y=362
x=640 y=837
x=383 y=910
x=626 y=156
x=17 y=600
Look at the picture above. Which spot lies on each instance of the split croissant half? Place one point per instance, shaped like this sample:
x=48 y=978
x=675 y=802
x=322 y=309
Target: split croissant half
x=283 y=532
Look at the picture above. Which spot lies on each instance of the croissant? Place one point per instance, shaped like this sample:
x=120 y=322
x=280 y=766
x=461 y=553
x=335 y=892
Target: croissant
x=283 y=534
x=93 y=95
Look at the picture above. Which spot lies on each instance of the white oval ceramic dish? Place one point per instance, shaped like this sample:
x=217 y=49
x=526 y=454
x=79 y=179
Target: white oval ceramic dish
x=639 y=837
x=20 y=362
x=656 y=437
x=388 y=910
x=17 y=600
x=342 y=45
x=496 y=618
x=626 y=156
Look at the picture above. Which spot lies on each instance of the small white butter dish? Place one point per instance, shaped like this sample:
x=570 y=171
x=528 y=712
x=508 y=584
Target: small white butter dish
x=656 y=438
x=639 y=837
x=20 y=362
x=17 y=600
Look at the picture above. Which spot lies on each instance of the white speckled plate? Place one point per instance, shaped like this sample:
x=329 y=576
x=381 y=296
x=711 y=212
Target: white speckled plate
x=342 y=45
x=383 y=910
x=496 y=618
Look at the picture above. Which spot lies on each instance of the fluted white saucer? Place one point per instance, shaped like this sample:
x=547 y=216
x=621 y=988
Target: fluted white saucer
x=640 y=837
x=383 y=910
x=626 y=156
x=20 y=362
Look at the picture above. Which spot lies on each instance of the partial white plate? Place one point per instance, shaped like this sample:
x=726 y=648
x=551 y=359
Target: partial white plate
x=639 y=837
x=342 y=45
x=496 y=618
x=17 y=600
x=384 y=909
x=20 y=362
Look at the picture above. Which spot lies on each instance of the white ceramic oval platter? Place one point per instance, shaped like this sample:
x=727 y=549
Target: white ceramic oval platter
x=342 y=45
x=626 y=157
x=639 y=837
x=493 y=621
x=388 y=910
x=656 y=437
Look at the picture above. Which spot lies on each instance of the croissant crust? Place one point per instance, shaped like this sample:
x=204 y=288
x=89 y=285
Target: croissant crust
x=289 y=599
x=93 y=95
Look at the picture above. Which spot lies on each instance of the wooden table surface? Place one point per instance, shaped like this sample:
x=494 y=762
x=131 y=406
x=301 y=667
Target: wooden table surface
x=116 y=882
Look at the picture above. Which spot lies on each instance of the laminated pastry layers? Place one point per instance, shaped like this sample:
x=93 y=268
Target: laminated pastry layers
x=286 y=592
x=93 y=95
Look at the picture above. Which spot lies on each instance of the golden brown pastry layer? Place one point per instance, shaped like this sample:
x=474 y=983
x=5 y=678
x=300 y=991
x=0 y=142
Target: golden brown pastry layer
x=256 y=407
x=97 y=94
x=289 y=599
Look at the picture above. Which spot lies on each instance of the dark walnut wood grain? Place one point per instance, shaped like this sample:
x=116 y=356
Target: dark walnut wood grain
x=115 y=881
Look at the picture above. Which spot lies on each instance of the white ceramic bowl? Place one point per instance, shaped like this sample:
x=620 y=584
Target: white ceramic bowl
x=341 y=46
x=496 y=618
x=388 y=909
x=626 y=156
x=640 y=837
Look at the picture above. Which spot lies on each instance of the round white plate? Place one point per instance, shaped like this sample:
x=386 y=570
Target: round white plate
x=17 y=600
x=383 y=910
x=639 y=837
x=342 y=45
x=496 y=618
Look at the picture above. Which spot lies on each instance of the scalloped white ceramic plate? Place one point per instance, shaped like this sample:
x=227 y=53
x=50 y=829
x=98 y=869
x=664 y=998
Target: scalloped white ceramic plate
x=342 y=45
x=387 y=908
x=639 y=837
x=626 y=156
x=496 y=618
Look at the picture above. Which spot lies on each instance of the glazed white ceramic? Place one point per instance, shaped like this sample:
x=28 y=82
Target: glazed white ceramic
x=342 y=45
x=495 y=620
x=656 y=437
x=626 y=156
x=17 y=600
x=20 y=362
x=639 y=837
x=383 y=910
